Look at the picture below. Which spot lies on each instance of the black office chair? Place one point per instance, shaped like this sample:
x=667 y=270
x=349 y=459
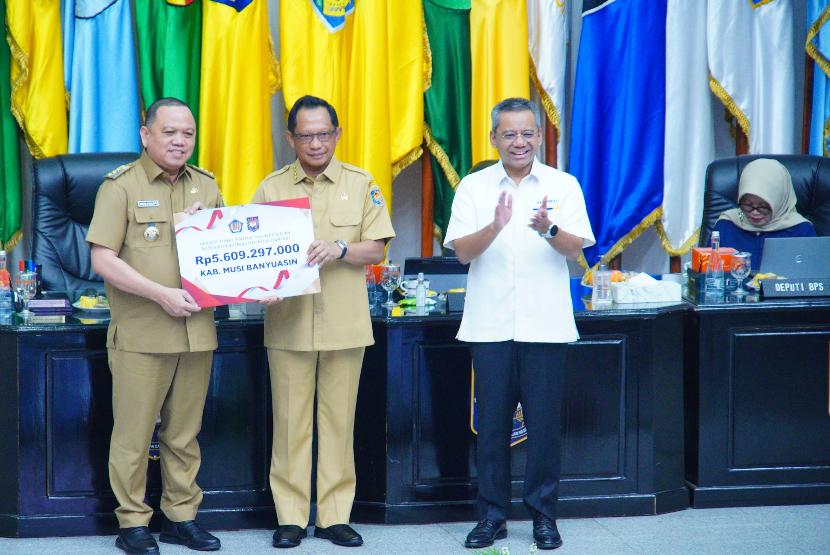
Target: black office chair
x=811 y=181
x=63 y=200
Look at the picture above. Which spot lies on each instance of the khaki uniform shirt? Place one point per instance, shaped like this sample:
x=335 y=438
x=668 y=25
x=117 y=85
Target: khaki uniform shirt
x=346 y=204
x=132 y=199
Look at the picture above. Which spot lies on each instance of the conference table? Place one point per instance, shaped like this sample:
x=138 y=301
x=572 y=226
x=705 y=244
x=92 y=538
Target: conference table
x=666 y=406
x=623 y=423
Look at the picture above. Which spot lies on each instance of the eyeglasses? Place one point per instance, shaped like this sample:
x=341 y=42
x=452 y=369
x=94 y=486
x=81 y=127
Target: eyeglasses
x=322 y=136
x=510 y=136
x=747 y=208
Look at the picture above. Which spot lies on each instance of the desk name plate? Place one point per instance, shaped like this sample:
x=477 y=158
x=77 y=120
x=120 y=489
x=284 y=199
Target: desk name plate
x=796 y=287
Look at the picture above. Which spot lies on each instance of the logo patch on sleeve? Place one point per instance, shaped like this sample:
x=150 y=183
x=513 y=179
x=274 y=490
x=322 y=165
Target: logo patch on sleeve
x=376 y=195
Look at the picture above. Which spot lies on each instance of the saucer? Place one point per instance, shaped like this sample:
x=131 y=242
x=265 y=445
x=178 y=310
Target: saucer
x=95 y=309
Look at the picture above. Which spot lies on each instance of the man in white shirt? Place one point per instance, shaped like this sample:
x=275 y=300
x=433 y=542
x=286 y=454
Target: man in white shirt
x=516 y=222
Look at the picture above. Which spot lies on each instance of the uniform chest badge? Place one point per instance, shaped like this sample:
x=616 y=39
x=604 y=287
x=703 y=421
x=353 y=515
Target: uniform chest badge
x=193 y=190
x=344 y=195
x=147 y=203
x=151 y=233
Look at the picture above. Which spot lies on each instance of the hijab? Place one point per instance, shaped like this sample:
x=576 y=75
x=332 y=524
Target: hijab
x=769 y=180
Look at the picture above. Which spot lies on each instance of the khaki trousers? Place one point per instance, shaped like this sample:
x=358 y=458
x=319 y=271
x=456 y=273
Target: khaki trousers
x=295 y=376
x=145 y=386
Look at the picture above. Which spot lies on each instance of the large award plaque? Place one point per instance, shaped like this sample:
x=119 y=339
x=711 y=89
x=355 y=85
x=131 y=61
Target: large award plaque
x=238 y=254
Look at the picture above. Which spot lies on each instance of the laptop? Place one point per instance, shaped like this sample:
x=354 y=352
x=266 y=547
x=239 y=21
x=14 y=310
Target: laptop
x=443 y=272
x=797 y=257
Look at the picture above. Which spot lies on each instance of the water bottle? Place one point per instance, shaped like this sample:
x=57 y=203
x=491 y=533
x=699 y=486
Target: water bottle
x=6 y=296
x=601 y=295
x=6 y=302
x=421 y=291
x=713 y=285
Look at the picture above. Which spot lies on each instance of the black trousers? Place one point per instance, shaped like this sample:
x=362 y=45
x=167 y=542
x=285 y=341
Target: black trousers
x=507 y=372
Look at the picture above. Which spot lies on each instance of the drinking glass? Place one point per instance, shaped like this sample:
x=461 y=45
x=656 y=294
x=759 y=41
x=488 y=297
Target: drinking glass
x=741 y=266
x=390 y=279
x=373 y=287
x=26 y=287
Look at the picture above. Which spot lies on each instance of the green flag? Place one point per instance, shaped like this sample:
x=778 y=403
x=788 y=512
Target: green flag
x=9 y=151
x=447 y=102
x=169 y=36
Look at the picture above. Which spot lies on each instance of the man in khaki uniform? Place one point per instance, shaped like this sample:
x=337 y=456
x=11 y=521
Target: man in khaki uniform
x=316 y=342
x=159 y=343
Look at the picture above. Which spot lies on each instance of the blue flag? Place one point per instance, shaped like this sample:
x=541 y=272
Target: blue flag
x=617 y=127
x=818 y=48
x=101 y=76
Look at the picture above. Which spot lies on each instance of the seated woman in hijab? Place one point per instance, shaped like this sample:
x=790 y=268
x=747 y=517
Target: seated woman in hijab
x=766 y=208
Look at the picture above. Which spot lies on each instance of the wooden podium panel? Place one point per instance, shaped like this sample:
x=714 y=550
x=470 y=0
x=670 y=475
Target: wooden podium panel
x=622 y=421
x=757 y=400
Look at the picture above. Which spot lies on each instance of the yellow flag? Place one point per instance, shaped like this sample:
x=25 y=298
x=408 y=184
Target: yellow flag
x=239 y=75
x=38 y=94
x=367 y=60
x=500 y=64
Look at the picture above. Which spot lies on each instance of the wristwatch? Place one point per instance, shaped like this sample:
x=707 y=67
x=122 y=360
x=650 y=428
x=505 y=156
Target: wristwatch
x=551 y=233
x=342 y=244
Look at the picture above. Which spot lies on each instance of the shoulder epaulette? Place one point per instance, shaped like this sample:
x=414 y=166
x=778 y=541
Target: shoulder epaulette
x=201 y=170
x=119 y=170
x=280 y=171
x=355 y=169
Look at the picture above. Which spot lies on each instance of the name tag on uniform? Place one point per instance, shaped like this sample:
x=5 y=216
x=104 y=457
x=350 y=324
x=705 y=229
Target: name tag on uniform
x=147 y=203
x=553 y=204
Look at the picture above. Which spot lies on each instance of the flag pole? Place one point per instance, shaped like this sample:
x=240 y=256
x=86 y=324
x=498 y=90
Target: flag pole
x=807 y=113
x=741 y=141
x=551 y=142
x=427 y=203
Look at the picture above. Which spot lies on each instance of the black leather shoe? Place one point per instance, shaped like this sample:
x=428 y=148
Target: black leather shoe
x=339 y=534
x=485 y=533
x=288 y=536
x=137 y=539
x=188 y=534
x=545 y=533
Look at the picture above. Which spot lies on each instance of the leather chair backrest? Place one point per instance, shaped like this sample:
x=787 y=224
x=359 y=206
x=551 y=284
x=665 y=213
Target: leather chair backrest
x=63 y=200
x=811 y=181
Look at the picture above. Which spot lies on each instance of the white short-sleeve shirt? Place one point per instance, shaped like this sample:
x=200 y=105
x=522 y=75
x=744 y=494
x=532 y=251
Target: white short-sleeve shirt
x=518 y=288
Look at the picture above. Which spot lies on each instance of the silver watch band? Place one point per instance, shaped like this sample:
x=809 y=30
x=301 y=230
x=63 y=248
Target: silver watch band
x=342 y=244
